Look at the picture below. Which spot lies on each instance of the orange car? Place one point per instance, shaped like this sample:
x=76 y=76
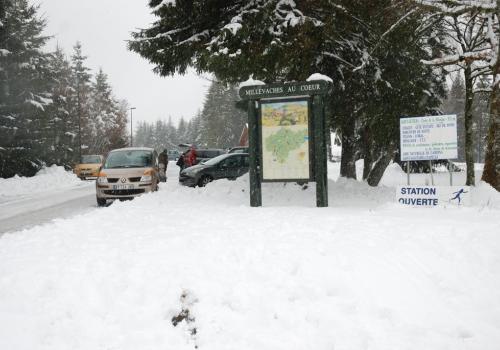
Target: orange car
x=89 y=166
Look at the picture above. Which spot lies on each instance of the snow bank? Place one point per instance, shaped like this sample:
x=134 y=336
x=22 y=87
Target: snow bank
x=47 y=179
x=364 y=273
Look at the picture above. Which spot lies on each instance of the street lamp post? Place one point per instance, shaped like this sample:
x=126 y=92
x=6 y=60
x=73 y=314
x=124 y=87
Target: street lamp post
x=131 y=126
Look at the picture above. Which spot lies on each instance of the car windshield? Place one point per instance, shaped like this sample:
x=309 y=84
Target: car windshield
x=216 y=160
x=129 y=159
x=91 y=159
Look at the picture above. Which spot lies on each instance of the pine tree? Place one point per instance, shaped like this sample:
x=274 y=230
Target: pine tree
x=221 y=121
x=62 y=125
x=116 y=126
x=182 y=131
x=24 y=88
x=81 y=98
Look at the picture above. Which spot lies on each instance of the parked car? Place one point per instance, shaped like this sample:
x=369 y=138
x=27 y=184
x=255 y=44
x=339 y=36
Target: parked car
x=226 y=166
x=204 y=154
x=127 y=173
x=238 y=149
x=89 y=166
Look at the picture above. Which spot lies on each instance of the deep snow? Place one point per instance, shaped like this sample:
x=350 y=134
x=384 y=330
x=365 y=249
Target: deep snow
x=46 y=180
x=364 y=273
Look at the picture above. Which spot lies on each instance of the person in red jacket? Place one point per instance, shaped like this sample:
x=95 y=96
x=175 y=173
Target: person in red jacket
x=191 y=157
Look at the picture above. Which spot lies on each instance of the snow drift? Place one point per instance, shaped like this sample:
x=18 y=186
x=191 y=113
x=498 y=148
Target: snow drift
x=185 y=268
x=47 y=179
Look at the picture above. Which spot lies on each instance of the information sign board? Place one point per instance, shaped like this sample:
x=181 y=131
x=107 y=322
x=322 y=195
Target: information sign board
x=285 y=140
x=429 y=138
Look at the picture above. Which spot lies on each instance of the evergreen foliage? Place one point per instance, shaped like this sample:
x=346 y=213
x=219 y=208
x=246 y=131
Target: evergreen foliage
x=371 y=49
x=45 y=100
x=221 y=122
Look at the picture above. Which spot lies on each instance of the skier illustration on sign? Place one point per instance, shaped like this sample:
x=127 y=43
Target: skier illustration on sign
x=458 y=195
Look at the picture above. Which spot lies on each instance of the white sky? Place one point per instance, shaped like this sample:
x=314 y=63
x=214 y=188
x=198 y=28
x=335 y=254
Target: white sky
x=102 y=26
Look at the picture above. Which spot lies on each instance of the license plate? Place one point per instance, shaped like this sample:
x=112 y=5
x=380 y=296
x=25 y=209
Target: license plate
x=123 y=187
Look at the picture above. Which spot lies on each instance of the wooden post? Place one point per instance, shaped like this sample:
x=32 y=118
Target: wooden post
x=253 y=147
x=320 y=161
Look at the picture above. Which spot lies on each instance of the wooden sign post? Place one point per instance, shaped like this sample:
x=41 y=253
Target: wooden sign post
x=287 y=136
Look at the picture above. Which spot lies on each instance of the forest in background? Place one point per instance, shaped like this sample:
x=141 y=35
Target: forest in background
x=51 y=107
x=218 y=125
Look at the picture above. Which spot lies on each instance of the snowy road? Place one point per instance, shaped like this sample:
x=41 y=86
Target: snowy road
x=30 y=210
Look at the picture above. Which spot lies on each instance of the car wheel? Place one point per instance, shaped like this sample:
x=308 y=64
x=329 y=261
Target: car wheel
x=204 y=181
x=101 y=202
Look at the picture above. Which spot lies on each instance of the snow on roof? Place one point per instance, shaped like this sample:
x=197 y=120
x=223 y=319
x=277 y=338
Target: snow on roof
x=133 y=149
x=319 y=76
x=251 y=82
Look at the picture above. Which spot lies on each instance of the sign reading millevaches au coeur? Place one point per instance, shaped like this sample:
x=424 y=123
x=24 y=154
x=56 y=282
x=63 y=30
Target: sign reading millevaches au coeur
x=316 y=87
x=286 y=135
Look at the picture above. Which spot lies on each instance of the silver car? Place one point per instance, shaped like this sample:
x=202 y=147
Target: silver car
x=127 y=173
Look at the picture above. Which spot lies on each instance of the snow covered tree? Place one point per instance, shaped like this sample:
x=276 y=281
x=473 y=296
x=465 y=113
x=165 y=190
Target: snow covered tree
x=107 y=117
x=286 y=40
x=221 y=122
x=62 y=125
x=466 y=33
x=488 y=57
x=24 y=88
x=81 y=98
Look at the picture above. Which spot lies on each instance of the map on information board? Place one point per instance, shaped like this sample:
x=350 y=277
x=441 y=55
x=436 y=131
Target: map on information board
x=429 y=138
x=285 y=140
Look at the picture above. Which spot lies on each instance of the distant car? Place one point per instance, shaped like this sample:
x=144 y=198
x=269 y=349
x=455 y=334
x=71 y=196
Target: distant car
x=173 y=154
x=127 y=173
x=226 y=166
x=204 y=154
x=89 y=166
x=238 y=149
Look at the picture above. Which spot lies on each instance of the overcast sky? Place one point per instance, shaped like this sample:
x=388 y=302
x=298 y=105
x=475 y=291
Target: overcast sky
x=103 y=26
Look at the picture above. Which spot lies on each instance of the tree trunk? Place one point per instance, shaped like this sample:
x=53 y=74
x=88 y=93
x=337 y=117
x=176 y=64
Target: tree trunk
x=348 y=163
x=381 y=164
x=491 y=172
x=469 y=138
x=367 y=151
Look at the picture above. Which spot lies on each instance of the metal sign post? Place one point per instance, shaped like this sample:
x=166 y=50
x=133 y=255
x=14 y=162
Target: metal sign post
x=430 y=170
x=408 y=172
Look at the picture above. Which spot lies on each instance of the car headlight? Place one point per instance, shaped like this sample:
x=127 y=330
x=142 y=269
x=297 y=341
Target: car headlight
x=102 y=180
x=146 y=178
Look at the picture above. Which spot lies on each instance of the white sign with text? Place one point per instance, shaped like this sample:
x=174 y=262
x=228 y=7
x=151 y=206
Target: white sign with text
x=428 y=138
x=431 y=196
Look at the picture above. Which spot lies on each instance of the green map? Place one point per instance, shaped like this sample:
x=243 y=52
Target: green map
x=281 y=143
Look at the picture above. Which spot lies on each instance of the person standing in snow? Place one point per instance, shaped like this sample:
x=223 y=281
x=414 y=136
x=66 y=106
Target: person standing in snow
x=181 y=162
x=191 y=157
x=163 y=162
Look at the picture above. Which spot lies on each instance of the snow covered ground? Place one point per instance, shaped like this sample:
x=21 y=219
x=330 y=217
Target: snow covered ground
x=52 y=193
x=46 y=180
x=364 y=273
